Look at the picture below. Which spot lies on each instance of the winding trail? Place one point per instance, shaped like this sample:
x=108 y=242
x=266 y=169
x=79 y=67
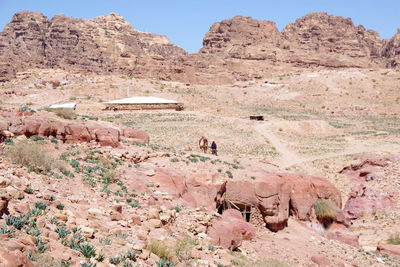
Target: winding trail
x=290 y=158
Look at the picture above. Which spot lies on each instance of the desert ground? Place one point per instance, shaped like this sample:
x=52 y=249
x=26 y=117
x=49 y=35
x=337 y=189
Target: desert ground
x=316 y=122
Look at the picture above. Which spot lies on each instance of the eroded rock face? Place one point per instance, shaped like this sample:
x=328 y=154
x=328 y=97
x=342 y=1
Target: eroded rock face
x=66 y=131
x=103 y=45
x=391 y=50
x=279 y=195
x=365 y=200
x=332 y=41
x=240 y=48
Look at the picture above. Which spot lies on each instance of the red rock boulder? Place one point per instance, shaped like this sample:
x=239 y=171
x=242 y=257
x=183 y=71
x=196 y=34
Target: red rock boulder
x=230 y=230
x=363 y=199
x=393 y=250
x=137 y=136
x=278 y=195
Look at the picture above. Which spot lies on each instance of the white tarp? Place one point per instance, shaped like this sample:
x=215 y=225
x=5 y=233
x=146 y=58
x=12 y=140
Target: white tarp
x=142 y=100
x=65 y=105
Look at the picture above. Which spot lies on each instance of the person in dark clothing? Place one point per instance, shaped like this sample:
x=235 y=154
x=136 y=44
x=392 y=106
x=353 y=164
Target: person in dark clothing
x=214 y=148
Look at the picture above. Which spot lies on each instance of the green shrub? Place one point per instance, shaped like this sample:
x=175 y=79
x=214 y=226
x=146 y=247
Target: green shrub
x=60 y=206
x=67 y=114
x=325 y=210
x=100 y=257
x=40 y=205
x=41 y=247
x=29 y=190
x=5 y=231
x=164 y=263
x=35 y=212
x=62 y=231
x=87 y=250
x=131 y=255
x=160 y=249
x=8 y=141
x=115 y=260
x=31 y=155
x=17 y=222
x=394 y=239
x=174 y=160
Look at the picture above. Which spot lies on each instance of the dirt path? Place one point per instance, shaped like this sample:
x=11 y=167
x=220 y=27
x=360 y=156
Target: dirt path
x=290 y=158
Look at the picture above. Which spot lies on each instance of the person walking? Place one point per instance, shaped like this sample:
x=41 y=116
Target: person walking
x=214 y=148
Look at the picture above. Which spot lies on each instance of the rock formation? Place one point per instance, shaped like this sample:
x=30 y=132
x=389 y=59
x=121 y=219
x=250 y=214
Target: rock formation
x=66 y=131
x=240 y=48
x=391 y=50
x=104 y=44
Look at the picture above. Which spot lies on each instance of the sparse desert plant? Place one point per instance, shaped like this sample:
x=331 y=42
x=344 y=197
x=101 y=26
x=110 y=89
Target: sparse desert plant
x=269 y=263
x=87 y=250
x=127 y=264
x=115 y=260
x=325 y=210
x=29 y=190
x=5 y=231
x=229 y=174
x=17 y=222
x=183 y=249
x=394 y=239
x=160 y=249
x=62 y=231
x=40 y=205
x=60 y=206
x=164 y=262
x=100 y=257
x=65 y=263
x=31 y=155
x=41 y=247
x=88 y=264
x=64 y=113
x=131 y=255
x=35 y=212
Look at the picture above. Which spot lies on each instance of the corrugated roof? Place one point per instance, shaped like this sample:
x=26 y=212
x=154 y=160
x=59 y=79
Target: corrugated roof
x=142 y=100
x=65 y=105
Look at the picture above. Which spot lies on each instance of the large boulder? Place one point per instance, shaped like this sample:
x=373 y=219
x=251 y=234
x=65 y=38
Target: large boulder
x=137 y=136
x=66 y=131
x=230 y=230
x=278 y=195
x=393 y=250
x=341 y=233
x=363 y=199
x=13 y=259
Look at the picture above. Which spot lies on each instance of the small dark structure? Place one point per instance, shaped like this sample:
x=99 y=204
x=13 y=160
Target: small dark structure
x=257 y=118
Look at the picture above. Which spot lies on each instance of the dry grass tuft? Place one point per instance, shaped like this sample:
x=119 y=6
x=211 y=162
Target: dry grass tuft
x=31 y=155
x=64 y=113
x=160 y=249
x=394 y=239
x=325 y=210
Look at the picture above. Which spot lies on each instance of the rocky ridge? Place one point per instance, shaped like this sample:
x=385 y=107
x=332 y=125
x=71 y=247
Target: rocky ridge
x=240 y=48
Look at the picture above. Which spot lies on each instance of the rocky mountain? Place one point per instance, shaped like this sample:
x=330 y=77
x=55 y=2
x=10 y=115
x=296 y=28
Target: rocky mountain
x=240 y=48
x=104 y=44
x=317 y=39
x=391 y=50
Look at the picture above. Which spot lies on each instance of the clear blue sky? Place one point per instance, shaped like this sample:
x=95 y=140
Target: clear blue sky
x=185 y=22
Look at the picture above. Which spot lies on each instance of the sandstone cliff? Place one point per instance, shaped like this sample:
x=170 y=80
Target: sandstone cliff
x=104 y=44
x=391 y=50
x=240 y=48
